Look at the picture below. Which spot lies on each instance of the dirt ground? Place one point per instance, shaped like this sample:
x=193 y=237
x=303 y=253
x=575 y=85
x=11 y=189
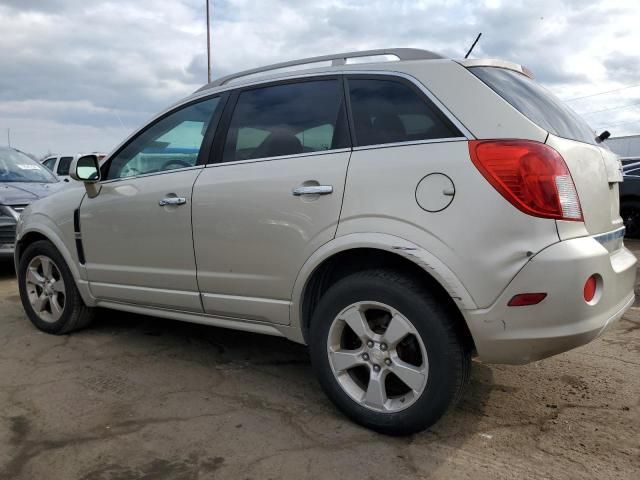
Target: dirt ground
x=140 y=398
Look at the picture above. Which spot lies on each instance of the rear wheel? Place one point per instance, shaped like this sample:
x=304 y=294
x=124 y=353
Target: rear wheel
x=630 y=213
x=48 y=291
x=386 y=352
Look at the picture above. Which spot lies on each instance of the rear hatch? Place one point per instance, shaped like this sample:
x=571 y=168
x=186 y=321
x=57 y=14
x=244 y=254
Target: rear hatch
x=596 y=171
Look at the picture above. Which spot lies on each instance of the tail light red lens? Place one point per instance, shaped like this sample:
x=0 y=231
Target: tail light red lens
x=532 y=176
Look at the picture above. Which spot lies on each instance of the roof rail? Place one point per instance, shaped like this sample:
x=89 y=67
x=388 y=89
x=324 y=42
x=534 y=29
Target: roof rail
x=336 y=59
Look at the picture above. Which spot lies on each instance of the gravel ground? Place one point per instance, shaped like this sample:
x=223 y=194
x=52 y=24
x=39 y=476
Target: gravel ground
x=135 y=397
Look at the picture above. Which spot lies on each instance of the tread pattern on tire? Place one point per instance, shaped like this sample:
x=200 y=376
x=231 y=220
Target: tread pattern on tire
x=409 y=282
x=456 y=352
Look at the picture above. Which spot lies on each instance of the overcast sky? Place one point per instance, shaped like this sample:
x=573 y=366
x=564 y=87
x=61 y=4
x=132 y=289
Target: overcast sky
x=80 y=75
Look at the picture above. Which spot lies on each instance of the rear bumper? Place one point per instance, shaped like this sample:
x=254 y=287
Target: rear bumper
x=563 y=320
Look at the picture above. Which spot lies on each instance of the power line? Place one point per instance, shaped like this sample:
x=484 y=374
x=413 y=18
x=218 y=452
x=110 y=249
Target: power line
x=612 y=108
x=602 y=93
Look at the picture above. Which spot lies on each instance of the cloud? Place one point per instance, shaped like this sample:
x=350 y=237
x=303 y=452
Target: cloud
x=92 y=67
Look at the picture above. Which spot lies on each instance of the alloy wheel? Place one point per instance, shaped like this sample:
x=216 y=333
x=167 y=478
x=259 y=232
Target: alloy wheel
x=377 y=357
x=45 y=288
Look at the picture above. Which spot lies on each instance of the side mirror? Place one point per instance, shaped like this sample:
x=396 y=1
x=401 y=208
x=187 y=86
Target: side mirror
x=85 y=169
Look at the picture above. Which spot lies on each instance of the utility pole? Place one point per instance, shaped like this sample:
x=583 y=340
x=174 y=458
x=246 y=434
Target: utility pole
x=9 y=137
x=208 y=47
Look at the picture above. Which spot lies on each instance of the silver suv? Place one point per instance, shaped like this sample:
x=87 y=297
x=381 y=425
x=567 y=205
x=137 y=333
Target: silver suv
x=397 y=217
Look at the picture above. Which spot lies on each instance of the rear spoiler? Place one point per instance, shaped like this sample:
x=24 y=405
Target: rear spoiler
x=498 y=64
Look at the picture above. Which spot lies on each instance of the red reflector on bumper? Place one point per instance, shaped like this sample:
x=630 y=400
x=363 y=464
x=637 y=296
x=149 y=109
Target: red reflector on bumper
x=590 y=288
x=523 y=299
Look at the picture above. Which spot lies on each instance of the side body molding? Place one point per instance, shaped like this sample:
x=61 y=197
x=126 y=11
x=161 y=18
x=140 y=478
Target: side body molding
x=380 y=241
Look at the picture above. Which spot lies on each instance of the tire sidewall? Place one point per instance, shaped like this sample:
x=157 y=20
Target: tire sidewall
x=47 y=249
x=427 y=318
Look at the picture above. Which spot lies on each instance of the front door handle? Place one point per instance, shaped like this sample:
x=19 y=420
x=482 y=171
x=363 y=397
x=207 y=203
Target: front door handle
x=172 y=201
x=313 y=190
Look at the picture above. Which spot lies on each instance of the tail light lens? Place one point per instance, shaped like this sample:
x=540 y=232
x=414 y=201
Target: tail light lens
x=532 y=176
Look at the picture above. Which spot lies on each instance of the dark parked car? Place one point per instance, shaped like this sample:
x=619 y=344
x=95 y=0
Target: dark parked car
x=630 y=199
x=22 y=181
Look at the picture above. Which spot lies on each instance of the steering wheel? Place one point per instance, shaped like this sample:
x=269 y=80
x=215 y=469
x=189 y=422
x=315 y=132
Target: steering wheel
x=178 y=163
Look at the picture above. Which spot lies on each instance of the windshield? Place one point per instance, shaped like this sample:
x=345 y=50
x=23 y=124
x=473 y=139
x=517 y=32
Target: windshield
x=536 y=103
x=17 y=167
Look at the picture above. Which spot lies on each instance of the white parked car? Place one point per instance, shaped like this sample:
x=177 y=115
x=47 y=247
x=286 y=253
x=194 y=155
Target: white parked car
x=397 y=217
x=59 y=164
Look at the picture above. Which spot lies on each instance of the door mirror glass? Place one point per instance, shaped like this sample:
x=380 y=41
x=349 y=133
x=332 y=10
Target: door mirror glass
x=86 y=169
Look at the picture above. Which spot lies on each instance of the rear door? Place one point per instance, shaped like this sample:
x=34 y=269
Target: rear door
x=596 y=171
x=271 y=198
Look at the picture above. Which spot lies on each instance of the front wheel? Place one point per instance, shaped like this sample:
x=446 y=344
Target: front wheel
x=48 y=291
x=386 y=352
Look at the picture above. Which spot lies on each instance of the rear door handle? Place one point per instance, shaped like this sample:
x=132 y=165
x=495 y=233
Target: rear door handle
x=313 y=190
x=172 y=201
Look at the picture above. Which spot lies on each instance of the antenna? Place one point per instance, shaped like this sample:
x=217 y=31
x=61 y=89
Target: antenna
x=208 y=47
x=474 y=44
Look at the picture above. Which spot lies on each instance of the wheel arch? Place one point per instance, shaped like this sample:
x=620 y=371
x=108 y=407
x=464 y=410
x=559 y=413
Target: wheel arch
x=43 y=231
x=344 y=256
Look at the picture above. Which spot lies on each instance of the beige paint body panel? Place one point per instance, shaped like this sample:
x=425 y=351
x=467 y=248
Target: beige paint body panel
x=137 y=250
x=252 y=235
x=595 y=172
x=479 y=108
x=563 y=320
x=380 y=197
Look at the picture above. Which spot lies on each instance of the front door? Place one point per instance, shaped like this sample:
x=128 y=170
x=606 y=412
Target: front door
x=272 y=198
x=136 y=232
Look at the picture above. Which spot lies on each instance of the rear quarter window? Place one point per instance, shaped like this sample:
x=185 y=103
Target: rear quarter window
x=536 y=103
x=389 y=111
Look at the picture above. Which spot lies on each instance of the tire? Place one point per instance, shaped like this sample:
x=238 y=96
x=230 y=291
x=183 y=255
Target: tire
x=52 y=306
x=630 y=213
x=384 y=294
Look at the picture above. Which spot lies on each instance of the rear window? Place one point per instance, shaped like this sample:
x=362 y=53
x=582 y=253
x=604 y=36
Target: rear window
x=536 y=103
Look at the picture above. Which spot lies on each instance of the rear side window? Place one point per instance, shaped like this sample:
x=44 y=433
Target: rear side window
x=63 y=165
x=287 y=119
x=536 y=103
x=389 y=111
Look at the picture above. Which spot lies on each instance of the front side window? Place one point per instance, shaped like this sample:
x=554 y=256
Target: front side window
x=389 y=111
x=63 y=165
x=50 y=163
x=172 y=143
x=287 y=119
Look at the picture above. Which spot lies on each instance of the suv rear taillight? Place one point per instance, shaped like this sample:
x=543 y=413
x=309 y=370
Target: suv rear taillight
x=530 y=175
